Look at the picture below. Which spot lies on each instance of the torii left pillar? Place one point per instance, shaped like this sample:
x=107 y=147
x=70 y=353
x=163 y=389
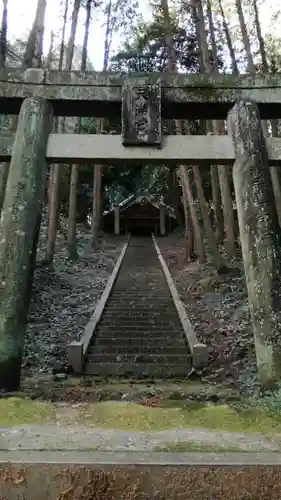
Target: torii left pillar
x=18 y=231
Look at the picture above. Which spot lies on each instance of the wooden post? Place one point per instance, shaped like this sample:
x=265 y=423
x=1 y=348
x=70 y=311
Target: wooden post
x=162 y=219
x=260 y=237
x=19 y=230
x=117 y=220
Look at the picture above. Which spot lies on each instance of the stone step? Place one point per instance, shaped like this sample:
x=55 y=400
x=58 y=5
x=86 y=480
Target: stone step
x=167 y=306
x=123 y=341
x=138 y=370
x=135 y=313
x=155 y=307
x=140 y=334
x=140 y=323
x=138 y=294
x=144 y=288
x=139 y=280
x=140 y=349
x=168 y=359
x=143 y=319
x=142 y=298
x=139 y=276
x=147 y=295
x=127 y=310
x=136 y=330
x=140 y=289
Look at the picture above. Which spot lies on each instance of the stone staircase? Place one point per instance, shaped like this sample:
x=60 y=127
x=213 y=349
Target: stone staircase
x=139 y=334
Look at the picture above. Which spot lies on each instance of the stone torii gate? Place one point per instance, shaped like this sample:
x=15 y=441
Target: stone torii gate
x=141 y=102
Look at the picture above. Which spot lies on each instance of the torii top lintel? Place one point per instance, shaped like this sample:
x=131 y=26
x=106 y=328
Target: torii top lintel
x=100 y=94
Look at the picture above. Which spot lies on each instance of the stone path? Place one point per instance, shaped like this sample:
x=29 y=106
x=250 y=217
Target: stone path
x=82 y=438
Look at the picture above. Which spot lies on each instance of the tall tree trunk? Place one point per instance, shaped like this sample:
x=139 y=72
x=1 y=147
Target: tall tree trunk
x=54 y=179
x=33 y=52
x=62 y=47
x=96 y=215
x=172 y=68
x=98 y=169
x=173 y=194
x=172 y=60
x=86 y=36
x=3 y=34
x=50 y=58
x=38 y=49
x=226 y=199
x=228 y=41
x=216 y=196
x=245 y=37
x=72 y=213
x=198 y=240
x=49 y=64
x=188 y=233
x=275 y=173
x=217 y=126
x=204 y=206
x=198 y=18
x=4 y=167
x=212 y=36
x=217 y=183
x=260 y=38
x=70 y=47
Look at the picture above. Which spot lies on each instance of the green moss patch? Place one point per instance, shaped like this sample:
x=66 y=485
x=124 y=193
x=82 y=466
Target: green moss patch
x=132 y=416
x=136 y=417
x=18 y=411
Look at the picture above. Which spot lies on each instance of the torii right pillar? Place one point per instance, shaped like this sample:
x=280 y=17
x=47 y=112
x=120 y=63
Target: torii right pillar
x=260 y=237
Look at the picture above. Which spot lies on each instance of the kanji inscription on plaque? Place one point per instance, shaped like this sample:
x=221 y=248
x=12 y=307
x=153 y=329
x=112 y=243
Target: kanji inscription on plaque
x=141 y=114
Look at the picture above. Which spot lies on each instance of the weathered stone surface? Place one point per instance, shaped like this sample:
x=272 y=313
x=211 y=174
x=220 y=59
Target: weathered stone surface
x=108 y=149
x=183 y=96
x=34 y=75
x=140 y=476
x=141 y=114
x=18 y=229
x=260 y=237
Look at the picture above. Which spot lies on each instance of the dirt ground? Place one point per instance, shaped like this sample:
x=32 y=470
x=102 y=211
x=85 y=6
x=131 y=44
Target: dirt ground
x=218 y=309
x=64 y=298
